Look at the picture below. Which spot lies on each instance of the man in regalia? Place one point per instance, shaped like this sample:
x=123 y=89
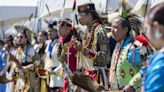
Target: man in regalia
x=94 y=49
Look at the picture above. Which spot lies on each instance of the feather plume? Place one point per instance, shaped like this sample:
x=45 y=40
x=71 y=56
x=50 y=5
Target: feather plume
x=138 y=5
x=127 y=12
x=28 y=33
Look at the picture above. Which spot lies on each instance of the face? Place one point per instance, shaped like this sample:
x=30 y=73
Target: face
x=7 y=44
x=51 y=33
x=15 y=42
x=155 y=33
x=41 y=37
x=21 y=39
x=63 y=31
x=83 y=18
x=118 y=31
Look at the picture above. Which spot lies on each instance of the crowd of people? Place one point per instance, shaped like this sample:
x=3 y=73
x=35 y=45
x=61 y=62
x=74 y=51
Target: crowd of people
x=117 y=56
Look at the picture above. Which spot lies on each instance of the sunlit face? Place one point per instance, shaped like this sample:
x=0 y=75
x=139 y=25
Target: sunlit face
x=41 y=37
x=118 y=31
x=51 y=33
x=154 y=34
x=15 y=41
x=21 y=39
x=83 y=18
x=63 y=31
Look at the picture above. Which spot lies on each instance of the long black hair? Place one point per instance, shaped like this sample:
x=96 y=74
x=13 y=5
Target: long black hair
x=96 y=16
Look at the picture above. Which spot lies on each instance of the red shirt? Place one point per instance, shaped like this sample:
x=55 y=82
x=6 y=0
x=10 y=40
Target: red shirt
x=71 y=57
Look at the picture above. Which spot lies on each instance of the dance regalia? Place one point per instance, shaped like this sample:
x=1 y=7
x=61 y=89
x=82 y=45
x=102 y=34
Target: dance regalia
x=3 y=66
x=52 y=63
x=95 y=44
x=25 y=79
x=69 y=59
x=40 y=50
x=7 y=66
x=125 y=65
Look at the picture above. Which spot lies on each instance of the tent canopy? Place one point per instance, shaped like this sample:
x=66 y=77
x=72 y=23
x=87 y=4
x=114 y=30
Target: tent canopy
x=19 y=10
x=15 y=9
x=16 y=12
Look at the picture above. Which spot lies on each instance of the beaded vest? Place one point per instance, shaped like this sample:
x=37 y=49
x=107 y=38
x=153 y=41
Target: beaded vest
x=122 y=71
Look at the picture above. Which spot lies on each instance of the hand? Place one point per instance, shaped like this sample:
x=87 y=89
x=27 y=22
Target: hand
x=78 y=45
x=129 y=88
x=37 y=63
x=21 y=72
x=86 y=51
x=89 y=53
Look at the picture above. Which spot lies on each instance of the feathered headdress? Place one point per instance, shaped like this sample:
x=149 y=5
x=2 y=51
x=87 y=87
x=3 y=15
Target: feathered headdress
x=24 y=29
x=136 y=23
x=128 y=13
x=52 y=23
x=28 y=33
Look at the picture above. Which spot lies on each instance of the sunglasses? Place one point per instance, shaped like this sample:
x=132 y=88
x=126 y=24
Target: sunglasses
x=21 y=37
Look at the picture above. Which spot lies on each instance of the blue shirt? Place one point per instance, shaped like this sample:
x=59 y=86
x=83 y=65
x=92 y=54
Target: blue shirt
x=133 y=55
x=2 y=61
x=154 y=78
x=2 y=65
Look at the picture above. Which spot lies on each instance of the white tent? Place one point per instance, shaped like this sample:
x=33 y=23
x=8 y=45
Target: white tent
x=12 y=14
x=12 y=11
x=55 y=6
x=16 y=10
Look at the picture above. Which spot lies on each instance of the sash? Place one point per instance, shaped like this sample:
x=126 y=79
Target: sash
x=50 y=48
x=24 y=55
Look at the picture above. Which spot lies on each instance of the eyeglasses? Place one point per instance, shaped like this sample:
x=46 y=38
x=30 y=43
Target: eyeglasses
x=21 y=37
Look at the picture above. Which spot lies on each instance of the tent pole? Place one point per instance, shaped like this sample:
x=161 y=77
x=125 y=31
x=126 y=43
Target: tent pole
x=146 y=7
x=106 y=11
x=48 y=10
x=2 y=28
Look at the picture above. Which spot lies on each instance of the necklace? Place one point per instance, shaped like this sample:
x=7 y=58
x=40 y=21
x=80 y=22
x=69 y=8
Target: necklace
x=89 y=36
